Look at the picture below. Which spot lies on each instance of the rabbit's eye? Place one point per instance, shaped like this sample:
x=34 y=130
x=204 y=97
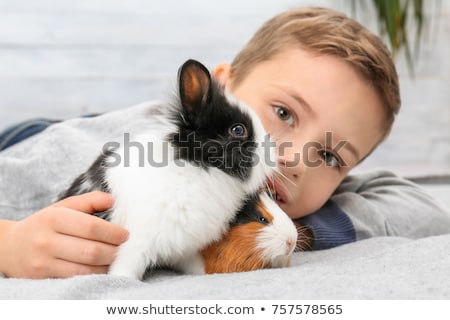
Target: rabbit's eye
x=238 y=131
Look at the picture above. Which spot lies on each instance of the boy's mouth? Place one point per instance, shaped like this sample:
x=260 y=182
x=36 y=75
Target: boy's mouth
x=276 y=191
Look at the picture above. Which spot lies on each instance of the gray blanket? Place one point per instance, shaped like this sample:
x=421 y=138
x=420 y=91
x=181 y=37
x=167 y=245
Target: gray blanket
x=377 y=268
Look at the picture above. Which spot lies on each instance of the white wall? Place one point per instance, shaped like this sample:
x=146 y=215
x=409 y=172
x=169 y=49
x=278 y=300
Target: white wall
x=62 y=58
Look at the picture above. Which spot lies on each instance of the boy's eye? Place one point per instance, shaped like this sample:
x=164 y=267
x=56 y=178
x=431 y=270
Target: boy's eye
x=284 y=114
x=330 y=159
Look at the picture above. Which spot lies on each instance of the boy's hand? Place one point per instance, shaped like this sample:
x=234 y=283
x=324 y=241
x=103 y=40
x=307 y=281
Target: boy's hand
x=62 y=240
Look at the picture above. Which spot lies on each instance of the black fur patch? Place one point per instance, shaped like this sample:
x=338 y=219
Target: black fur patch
x=204 y=138
x=249 y=212
x=91 y=180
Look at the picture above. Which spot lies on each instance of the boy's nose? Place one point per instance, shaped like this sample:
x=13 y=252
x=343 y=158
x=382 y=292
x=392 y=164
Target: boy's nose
x=288 y=168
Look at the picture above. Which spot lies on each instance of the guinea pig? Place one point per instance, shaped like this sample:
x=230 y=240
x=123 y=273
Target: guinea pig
x=209 y=152
x=260 y=236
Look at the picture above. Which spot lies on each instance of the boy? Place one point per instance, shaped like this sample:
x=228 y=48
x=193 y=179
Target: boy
x=327 y=91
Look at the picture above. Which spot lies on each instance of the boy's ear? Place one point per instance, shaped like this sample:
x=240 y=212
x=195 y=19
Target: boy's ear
x=221 y=74
x=194 y=83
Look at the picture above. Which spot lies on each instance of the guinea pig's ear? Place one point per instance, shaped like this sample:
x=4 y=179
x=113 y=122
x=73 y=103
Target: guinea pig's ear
x=194 y=83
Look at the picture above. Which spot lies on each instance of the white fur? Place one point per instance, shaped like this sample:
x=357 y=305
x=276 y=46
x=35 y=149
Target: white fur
x=193 y=264
x=174 y=211
x=277 y=240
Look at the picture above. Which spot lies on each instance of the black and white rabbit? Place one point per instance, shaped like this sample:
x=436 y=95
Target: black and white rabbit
x=208 y=156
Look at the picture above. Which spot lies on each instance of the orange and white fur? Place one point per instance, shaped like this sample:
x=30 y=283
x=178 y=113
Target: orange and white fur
x=261 y=236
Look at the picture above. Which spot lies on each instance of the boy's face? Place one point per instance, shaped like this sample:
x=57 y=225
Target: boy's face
x=323 y=116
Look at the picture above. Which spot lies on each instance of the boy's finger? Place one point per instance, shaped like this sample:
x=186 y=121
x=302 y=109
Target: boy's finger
x=82 y=251
x=72 y=222
x=88 y=203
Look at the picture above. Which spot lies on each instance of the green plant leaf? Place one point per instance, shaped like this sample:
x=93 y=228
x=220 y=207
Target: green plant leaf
x=393 y=17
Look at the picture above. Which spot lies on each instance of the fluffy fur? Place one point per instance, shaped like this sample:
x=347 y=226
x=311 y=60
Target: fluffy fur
x=203 y=157
x=261 y=236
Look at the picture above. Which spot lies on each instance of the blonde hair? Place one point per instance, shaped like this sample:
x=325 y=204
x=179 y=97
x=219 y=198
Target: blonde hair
x=325 y=31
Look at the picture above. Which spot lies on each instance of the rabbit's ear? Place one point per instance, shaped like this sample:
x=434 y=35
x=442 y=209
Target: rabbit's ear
x=195 y=85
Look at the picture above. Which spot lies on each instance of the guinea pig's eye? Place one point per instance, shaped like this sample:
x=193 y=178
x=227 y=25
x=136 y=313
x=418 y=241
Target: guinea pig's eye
x=238 y=130
x=263 y=220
